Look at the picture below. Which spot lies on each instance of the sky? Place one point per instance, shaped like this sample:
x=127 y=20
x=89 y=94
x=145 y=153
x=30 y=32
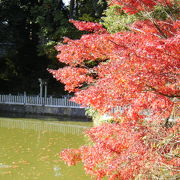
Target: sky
x=66 y=2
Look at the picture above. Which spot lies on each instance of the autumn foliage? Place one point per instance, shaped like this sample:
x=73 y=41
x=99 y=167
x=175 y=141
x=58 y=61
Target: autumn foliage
x=134 y=6
x=124 y=151
x=137 y=70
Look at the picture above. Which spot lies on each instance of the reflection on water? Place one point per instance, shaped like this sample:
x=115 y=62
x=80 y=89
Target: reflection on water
x=30 y=149
x=43 y=126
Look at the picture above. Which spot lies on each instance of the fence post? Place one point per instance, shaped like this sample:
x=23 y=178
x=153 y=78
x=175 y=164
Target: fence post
x=9 y=98
x=51 y=101
x=24 y=98
x=65 y=101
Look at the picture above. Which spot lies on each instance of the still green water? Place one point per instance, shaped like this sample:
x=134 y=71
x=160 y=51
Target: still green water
x=29 y=149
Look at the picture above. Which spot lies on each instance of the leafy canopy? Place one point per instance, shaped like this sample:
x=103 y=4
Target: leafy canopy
x=137 y=70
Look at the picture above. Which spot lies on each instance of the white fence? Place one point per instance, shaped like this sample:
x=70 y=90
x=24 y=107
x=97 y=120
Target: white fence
x=36 y=100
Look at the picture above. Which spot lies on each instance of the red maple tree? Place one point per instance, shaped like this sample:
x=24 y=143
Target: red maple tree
x=137 y=70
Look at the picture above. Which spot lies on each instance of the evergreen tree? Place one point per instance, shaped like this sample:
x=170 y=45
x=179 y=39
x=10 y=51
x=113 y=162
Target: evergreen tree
x=29 y=30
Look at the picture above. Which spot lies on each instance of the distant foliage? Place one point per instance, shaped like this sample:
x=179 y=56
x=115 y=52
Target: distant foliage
x=52 y=20
x=116 y=20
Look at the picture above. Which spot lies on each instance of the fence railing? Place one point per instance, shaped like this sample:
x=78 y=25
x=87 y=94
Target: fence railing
x=37 y=100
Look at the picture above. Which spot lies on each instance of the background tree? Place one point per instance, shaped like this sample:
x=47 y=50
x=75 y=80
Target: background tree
x=87 y=10
x=17 y=33
x=27 y=38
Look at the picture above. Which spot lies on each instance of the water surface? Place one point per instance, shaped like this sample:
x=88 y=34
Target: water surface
x=29 y=148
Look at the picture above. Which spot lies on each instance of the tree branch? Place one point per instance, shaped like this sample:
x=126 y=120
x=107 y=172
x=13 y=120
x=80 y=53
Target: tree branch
x=163 y=94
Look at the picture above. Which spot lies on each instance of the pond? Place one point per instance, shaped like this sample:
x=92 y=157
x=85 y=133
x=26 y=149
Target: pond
x=30 y=148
